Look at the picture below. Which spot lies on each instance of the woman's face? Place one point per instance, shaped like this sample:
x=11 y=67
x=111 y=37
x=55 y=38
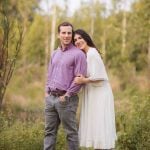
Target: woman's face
x=80 y=42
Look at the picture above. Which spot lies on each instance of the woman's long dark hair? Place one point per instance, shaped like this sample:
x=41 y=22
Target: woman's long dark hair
x=86 y=37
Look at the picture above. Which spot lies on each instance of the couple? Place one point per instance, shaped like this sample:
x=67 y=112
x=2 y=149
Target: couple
x=70 y=68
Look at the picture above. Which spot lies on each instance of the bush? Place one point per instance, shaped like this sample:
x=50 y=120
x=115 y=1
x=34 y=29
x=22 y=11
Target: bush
x=29 y=135
x=136 y=134
x=21 y=136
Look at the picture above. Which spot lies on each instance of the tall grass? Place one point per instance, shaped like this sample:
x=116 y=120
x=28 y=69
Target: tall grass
x=22 y=118
x=134 y=134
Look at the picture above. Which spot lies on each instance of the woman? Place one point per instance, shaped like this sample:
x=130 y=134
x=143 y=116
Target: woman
x=97 y=120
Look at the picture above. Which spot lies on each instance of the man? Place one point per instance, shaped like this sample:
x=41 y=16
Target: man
x=61 y=92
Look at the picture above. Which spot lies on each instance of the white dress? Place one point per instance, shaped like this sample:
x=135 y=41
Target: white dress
x=97 y=118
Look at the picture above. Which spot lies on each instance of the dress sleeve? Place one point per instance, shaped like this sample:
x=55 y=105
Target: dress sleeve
x=96 y=67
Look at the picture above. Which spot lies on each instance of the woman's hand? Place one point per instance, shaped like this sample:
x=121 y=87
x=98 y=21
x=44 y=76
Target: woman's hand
x=80 y=79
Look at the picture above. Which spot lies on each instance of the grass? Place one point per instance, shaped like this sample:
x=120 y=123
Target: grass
x=22 y=118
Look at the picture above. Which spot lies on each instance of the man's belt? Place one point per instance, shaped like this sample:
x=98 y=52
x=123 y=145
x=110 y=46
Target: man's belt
x=57 y=93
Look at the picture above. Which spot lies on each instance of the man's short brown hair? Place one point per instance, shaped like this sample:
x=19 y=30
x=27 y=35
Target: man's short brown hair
x=65 y=24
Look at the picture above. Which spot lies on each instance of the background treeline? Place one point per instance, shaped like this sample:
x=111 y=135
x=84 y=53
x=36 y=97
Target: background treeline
x=28 y=36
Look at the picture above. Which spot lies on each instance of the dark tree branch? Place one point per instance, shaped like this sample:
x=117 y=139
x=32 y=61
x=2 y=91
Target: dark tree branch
x=10 y=46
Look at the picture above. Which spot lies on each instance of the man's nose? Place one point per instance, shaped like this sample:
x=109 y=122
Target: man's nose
x=66 y=34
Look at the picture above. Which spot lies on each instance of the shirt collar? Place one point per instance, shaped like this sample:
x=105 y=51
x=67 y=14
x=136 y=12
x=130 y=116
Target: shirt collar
x=67 y=48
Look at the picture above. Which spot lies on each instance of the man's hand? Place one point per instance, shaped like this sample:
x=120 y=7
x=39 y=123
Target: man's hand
x=46 y=94
x=62 y=98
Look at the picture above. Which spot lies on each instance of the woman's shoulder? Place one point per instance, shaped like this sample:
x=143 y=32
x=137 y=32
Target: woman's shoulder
x=93 y=52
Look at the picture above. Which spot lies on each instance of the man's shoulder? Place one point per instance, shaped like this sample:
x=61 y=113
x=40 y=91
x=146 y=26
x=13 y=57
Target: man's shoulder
x=54 y=52
x=78 y=51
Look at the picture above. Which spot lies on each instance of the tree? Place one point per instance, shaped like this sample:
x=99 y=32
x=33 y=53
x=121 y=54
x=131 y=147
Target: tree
x=11 y=36
x=33 y=45
x=139 y=34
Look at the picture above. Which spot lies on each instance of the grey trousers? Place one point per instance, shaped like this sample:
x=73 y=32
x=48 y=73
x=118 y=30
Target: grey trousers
x=57 y=112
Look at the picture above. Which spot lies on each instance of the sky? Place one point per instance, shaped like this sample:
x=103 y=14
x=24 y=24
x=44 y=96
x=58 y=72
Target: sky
x=75 y=4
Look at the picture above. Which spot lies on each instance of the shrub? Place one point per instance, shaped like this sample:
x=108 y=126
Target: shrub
x=136 y=134
x=22 y=136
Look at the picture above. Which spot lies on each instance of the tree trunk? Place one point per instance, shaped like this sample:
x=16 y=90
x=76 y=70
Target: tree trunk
x=92 y=24
x=92 y=17
x=124 y=31
x=49 y=44
x=46 y=42
x=53 y=27
x=7 y=64
x=149 y=52
x=104 y=44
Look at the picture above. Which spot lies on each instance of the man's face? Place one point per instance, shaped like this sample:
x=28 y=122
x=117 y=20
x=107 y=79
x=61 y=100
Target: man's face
x=65 y=35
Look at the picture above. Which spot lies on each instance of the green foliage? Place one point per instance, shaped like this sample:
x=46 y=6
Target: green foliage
x=26 y=135
x=134 y=133
x=26 y=93
x=21 y=135
x=138 y=34
x=29 y=135
x=11 y=37
x=34 y=42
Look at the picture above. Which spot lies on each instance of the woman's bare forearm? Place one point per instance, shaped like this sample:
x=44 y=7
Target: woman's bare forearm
x=88 y=80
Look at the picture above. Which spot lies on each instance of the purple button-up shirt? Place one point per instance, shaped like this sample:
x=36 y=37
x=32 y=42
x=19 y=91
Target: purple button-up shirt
x=64 y=67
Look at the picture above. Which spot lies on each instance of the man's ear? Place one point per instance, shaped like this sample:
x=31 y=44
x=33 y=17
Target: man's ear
x=58 y=36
